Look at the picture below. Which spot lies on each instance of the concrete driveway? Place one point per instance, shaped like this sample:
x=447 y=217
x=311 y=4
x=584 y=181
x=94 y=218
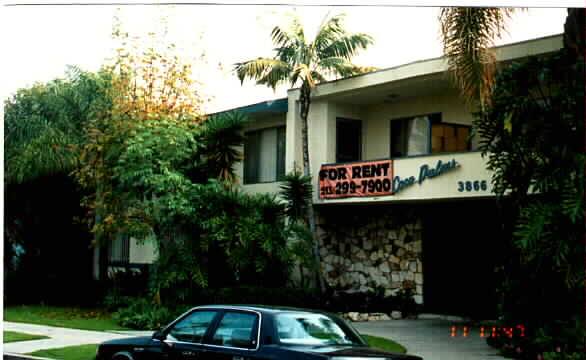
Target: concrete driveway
x=432 y=340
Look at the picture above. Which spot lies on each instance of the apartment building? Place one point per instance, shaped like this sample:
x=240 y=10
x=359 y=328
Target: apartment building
x=402 y=195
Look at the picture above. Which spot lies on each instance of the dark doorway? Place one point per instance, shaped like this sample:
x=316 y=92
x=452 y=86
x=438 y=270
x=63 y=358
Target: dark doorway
x=462 y=244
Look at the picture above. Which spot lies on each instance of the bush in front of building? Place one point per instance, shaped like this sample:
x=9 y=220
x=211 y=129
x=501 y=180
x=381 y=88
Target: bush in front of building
x=144 y=314
x=374 y=301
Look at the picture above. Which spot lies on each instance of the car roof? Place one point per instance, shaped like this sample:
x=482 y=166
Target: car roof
x=266 y=309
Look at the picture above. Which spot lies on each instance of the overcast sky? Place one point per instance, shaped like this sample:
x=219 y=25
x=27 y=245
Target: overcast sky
x=39 y=41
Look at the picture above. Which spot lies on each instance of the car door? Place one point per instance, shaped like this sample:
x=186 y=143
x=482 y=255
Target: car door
x=236 y=337
x=183 y=340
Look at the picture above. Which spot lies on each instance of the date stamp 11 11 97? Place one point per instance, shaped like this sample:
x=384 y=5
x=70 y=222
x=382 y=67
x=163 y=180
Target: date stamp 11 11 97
x=488 y=331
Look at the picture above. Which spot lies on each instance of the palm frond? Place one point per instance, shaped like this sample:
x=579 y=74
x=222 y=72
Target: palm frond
x=278 y=73
x=223 y=134
x=337 y=66
x=346 y=46
x=467 y=35
x=296 y=191
x=257 y=69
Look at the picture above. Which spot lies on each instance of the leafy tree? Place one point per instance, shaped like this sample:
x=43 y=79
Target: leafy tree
x=533 y=134
x=137 y=147
x=43 y=125
x=161 y=170
x=44 y=133
x=307 y=62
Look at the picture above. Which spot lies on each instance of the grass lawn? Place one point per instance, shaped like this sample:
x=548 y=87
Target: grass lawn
x=81 y=352
x=12 y=336
x=68 y=317
x=384 y=344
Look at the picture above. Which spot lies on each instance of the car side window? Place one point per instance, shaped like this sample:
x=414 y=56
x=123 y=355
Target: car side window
x=192 y=328
x=238 y=330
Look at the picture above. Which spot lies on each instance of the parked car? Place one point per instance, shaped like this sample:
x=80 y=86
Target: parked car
x=249 y=333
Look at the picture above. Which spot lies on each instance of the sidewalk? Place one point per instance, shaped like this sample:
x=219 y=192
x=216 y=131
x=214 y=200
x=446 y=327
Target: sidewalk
x=59 y=337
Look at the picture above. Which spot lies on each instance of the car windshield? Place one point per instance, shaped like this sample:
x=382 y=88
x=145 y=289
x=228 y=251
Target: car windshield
x=313 y=329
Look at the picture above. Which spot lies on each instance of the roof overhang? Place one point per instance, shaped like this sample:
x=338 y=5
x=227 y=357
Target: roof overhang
x=420 y=78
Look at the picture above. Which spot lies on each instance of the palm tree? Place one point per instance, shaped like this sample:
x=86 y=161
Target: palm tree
x=300 y=61
x=468 y=37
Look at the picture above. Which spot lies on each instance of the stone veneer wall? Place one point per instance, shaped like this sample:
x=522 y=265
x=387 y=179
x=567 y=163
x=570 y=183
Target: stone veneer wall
x=366 y=247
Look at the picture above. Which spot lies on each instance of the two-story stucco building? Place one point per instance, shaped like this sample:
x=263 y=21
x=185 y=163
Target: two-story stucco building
x=402 y=196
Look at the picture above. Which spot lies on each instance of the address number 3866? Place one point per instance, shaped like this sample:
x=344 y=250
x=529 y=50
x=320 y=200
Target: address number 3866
x=476 y=185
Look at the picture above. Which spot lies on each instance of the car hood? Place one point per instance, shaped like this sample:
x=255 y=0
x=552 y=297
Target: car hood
x=132 y=341
x=356 y=351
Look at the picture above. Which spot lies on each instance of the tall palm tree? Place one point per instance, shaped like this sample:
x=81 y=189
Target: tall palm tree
x=304 y=62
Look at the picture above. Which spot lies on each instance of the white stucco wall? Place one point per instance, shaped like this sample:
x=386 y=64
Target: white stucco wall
x=142 y=252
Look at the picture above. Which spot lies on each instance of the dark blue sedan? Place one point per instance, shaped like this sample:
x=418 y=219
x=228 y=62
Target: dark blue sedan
x=249 y=333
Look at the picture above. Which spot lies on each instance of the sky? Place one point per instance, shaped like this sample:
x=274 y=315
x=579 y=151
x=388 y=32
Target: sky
x=39 y=41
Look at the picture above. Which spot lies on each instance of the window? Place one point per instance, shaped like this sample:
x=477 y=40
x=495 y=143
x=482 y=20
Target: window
x=348 y=140
x=237 y=329
x=192 y=328
x=119 y=250
x=449 y=138
x=264 y=155
x=426 y=134
x=312 y=329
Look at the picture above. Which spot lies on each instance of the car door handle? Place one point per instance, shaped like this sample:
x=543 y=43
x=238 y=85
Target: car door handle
x=188 y=353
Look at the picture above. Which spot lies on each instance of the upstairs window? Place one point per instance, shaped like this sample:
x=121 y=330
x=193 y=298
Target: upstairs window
x=449 y=138
x=425 y=134
x=348 y=140
x=264 y=155
x=119 y=250
x=410 y=136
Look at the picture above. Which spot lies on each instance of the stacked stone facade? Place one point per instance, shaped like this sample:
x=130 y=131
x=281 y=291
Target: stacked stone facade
x=368 y=248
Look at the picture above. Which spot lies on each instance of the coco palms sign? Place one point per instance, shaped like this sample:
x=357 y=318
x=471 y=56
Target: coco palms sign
x=425 y=172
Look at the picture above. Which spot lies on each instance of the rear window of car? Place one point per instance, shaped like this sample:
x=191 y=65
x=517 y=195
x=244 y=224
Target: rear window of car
x=313 y=329
x=237 y=329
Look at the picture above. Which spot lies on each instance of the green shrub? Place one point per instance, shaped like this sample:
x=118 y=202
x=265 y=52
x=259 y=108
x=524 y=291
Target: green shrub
x=373 y=301
x=143 y=314
x=123 y=287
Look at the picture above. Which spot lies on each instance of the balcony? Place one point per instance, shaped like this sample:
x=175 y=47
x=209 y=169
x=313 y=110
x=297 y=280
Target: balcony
x=416 y=178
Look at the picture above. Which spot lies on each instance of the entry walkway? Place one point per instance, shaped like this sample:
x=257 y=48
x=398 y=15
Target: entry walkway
x=58 y=337
x=432 y=340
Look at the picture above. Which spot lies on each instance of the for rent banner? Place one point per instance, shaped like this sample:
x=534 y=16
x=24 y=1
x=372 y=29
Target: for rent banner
x=370 y=178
